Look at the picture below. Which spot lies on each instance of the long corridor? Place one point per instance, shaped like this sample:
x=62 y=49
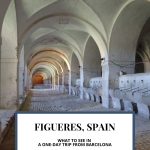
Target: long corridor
x=52 y=101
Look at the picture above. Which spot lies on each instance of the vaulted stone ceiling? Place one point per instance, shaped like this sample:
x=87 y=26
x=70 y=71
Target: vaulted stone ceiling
x=65 y=26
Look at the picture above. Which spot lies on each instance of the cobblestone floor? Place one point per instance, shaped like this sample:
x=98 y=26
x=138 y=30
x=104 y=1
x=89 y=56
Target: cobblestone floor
x=142 y=131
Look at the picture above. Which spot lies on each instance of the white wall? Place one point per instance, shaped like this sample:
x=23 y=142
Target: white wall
x=141 y=80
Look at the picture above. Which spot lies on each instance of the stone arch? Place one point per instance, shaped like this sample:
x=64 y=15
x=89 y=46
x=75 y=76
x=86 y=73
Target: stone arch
x=68 y=44
x=124 y=37
x=83 y=25
x=89 y=29
x=4 y=9
x=142 y=60
x=92 y=61
x=55 y=58
x=50 y=52
x=41 y=76
x=53 y=11
x=49 y=70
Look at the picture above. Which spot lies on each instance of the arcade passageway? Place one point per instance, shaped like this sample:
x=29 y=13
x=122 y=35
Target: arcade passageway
x=75 y=55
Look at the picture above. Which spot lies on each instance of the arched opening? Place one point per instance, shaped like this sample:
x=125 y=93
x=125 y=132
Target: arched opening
x=76 y=26
x=123 y=41
x=43 y=76
x=142 y=60
x=92 y=62
x=54 y=64
x=92 y=71
x=142 y=69
x=37 y=79
x=75 y=71
x=75 y=75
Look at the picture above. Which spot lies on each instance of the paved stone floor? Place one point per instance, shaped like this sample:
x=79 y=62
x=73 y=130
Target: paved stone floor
x=142 y=133
x=50 y=101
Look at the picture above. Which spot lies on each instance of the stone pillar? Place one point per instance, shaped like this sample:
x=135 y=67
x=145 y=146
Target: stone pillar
x=21 y=73
x=8 y=77
x=50 y=82
x=21 y=83
x=26 y=76
x=81 y=82
x=58 y=81
x=8 y=82
x=30 y=80
x=63 y=81
x=69 y=82
x=105 y=84
x=54 y=82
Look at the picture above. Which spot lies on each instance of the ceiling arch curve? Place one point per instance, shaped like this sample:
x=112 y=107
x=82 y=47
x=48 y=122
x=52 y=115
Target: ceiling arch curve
x=126 y=30
x=47 y=67
x=86 y=27
x=72 y=8
x=56 y=38
x=117 y=16
x=58 y=55
x=49 y=61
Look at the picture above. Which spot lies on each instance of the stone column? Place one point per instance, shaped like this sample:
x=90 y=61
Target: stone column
x=21 y=81
x=105 y=83
x=21 y=73
x=54 y=82
x=8 y=82
x=63 y=81
x=69 y=82
x=25 y=79
x=29 y=80
x=58 y=81
x=81 y=82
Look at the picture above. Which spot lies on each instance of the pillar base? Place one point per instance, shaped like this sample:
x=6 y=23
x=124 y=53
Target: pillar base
x=105 y=102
